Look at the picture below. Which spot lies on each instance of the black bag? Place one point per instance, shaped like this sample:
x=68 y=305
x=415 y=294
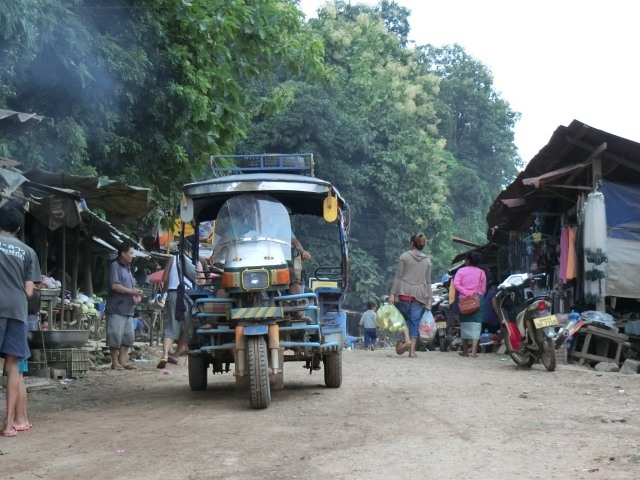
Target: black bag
x=33 y=303
x=181 y=307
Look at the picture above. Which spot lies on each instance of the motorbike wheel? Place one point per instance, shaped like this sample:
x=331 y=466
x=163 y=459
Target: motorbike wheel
x=442 y=343
x=333 y=370
x=548 y=354
x=198 y=370
x=258 y=373
x=524 y=361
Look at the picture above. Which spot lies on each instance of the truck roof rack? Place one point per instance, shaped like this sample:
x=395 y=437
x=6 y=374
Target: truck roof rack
x=296 y=163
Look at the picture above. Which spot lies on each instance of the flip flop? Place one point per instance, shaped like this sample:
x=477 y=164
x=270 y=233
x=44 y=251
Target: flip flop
x=117 y=367
x=462 y=354
x=172 y=360
x=128 y=366
x=22 y=428
x=163 y=362
x=9 y=433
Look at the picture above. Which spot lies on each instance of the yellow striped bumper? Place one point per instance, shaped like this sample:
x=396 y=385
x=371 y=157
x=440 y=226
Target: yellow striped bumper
x=256 y=312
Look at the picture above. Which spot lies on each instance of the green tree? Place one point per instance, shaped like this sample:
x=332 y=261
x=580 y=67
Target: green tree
x=478 y=127
x=373 y=131
x=144 y=91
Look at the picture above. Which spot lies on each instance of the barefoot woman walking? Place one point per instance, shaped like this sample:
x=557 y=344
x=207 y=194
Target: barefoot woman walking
x=411 y=289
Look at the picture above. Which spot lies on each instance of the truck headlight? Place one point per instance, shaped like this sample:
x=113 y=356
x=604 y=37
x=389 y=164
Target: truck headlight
x=255 y=279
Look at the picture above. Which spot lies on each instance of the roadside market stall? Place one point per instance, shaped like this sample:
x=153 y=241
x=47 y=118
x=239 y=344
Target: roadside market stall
x=574 y=213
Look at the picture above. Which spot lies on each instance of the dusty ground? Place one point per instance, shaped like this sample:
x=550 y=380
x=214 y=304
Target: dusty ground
x=437 y=416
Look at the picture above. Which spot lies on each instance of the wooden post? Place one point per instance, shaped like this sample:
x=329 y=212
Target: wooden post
x=87 y=284
x=75 y=261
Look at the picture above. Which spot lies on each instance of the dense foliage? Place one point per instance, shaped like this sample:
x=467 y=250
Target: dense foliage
x=144 y=91
x=415 y=138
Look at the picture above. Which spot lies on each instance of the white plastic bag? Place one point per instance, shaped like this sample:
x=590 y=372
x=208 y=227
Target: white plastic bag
x=427 y=326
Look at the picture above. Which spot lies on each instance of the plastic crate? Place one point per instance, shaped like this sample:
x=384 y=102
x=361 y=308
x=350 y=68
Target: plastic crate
x=73 y=361
x=37 y=369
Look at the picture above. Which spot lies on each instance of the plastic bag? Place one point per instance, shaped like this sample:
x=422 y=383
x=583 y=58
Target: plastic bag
x=390 y=318
x=599 y=319
x=427 y=326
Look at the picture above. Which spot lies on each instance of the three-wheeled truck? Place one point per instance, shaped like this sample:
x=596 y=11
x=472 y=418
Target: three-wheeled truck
x=246 y=315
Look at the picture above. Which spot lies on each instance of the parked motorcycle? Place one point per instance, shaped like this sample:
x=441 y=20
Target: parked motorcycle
x=439 y=309
x=529 y=327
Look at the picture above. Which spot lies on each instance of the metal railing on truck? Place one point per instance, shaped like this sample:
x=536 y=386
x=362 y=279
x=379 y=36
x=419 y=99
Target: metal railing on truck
x=296 y=163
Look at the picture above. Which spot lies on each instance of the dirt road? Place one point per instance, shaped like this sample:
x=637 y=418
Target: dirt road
x=439 y=416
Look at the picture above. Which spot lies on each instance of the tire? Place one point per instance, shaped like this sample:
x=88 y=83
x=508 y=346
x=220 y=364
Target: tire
x=442 y=343
x=333 y=370
x=198 y=369
x=548 y=354
x=258 y=372
x=524 y=361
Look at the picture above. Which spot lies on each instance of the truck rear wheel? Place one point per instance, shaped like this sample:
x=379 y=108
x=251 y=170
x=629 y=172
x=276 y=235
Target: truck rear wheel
x=198 y=366
x=333 y=370
x=258 y=372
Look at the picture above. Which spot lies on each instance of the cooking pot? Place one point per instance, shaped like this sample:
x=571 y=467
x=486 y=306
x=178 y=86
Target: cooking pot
x=58 y=338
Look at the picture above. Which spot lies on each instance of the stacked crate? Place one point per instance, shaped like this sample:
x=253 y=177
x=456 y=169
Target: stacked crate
x=73 y=361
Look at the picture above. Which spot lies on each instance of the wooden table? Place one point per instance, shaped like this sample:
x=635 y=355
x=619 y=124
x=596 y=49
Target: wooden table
x=598 y=345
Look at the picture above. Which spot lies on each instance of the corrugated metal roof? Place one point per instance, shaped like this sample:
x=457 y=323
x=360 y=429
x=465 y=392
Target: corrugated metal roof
x=554 y=179
x=17 y=122
x=122 y=203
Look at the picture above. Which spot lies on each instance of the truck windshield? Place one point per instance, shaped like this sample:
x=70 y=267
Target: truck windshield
x=253 y=217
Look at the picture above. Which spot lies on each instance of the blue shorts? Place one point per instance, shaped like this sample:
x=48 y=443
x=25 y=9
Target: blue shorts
x=412 y=313
x=13 y=338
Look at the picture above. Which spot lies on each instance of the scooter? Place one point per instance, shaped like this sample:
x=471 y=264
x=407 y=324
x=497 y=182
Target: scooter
x=529 y=327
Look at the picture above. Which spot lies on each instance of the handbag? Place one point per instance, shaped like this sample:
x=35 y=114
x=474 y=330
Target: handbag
x=181 y=307
x=470 y=304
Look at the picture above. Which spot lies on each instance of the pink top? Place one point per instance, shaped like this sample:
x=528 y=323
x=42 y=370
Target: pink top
x=469 y=280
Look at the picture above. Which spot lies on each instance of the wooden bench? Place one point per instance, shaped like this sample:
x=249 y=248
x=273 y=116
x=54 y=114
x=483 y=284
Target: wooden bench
x=597 y=344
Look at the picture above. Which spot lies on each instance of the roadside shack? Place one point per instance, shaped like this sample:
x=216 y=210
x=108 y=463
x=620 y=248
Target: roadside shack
x=574 y=213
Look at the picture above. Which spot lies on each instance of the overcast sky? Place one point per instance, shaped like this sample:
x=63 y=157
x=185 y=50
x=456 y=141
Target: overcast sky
x=553 y=60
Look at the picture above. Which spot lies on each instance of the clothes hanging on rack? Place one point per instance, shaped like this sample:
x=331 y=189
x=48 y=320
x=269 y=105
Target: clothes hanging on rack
x=567 y=270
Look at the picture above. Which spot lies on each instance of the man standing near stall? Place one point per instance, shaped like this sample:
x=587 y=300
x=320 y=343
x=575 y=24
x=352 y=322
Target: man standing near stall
x=122 y=298
x=19 y=267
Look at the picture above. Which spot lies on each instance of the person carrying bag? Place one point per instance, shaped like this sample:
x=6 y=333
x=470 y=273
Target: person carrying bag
x=470 y=283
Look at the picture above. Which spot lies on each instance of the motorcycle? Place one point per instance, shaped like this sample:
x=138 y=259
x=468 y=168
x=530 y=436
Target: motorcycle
x=529 y=327
x=439 y=309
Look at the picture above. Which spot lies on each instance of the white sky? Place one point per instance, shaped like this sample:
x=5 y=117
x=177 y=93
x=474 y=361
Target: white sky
x=553 y=60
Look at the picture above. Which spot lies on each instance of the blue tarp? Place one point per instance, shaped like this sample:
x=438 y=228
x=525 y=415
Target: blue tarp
x=622 y=204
